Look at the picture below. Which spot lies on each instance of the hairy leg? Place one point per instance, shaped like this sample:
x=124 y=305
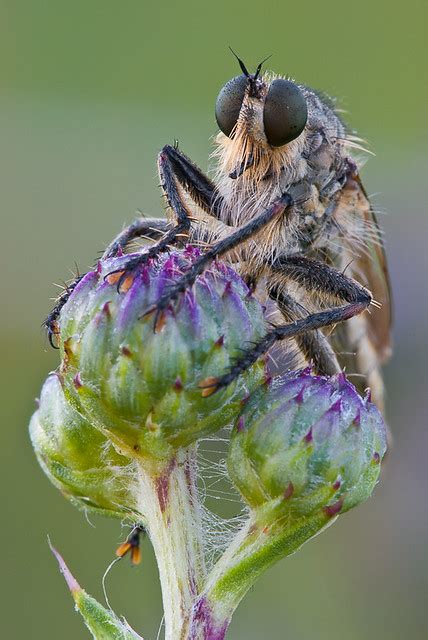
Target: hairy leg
x=315 y=277
x=177 y=173
x=200 y=188
x=313 y=344
x=218 y=249
x=175 y=170
x=151 y=228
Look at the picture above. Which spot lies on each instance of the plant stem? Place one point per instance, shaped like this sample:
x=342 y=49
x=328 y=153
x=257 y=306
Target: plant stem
x=169 y=503
x=255 y=548
x=198 y=606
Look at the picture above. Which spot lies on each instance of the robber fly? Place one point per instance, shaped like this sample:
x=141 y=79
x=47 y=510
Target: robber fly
x=287 y=208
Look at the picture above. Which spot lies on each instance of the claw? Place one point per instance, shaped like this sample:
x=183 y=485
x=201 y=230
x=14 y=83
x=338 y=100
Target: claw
x=209 y=386
x=160 y=320
x=125 y=282
x=53 y=334
x=123 y=279
x=149 y=311
x=160 y=317
x=114 y=277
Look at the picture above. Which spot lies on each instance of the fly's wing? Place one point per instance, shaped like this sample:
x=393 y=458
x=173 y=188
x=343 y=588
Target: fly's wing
x=372 y=265
x=363 y=343
x=363 y=237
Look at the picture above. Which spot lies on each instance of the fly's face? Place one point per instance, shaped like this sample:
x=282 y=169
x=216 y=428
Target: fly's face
x=262 y=119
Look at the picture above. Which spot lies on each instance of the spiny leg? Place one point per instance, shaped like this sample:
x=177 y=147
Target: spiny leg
x=241 y=235
x=200 y=188
x=319 y=278
x=173 y=165
x=174 y=170
x=51 y=321
x=313 y=345
x=182 y=226
x=314 y=276
x=150 y=228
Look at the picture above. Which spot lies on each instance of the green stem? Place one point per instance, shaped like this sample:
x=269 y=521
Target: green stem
x=255 y=548
x=169 y=503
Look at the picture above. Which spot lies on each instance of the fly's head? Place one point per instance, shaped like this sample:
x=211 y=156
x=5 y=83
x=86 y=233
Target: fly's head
x=262 y=118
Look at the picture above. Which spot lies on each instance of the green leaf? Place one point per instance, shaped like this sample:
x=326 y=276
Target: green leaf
x=101 y=622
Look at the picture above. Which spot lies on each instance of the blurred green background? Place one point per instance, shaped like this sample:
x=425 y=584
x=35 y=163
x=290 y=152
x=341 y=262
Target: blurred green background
x=89 y=92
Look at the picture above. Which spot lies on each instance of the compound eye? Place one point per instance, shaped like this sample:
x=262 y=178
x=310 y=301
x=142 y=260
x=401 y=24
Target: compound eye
x=229 y=102
x=285 y=112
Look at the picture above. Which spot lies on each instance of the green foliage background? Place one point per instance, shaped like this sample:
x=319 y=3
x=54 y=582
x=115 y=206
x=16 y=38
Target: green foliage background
x=89 y=92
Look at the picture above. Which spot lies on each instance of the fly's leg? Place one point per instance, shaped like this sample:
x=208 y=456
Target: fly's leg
x=148 y=228
x=176 y=173
x=174 y=169
x=51 y=322
x=313 y=344
x=315 y=277
x=199 y=187
x=242 y=234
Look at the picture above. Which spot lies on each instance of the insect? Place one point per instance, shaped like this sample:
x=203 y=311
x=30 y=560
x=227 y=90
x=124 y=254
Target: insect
x=287 y=207
x=132 y=545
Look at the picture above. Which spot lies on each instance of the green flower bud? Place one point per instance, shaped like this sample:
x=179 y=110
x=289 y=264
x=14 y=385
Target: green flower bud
x=137 y=380
x=307 y=443
x=78 y=458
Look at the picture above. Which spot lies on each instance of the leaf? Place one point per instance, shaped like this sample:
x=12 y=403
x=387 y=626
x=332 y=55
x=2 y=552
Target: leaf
x=101 y=622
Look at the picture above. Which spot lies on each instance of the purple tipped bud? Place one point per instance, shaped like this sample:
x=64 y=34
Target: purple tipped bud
x=272 y=452
x=132 y=373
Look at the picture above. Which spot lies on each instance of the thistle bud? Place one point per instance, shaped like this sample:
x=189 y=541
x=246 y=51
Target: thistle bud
x=307 y=444
x=135 y=375
x=78 y=459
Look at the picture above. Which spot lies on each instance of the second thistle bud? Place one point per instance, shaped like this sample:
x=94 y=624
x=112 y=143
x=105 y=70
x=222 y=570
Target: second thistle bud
x=307 y=443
